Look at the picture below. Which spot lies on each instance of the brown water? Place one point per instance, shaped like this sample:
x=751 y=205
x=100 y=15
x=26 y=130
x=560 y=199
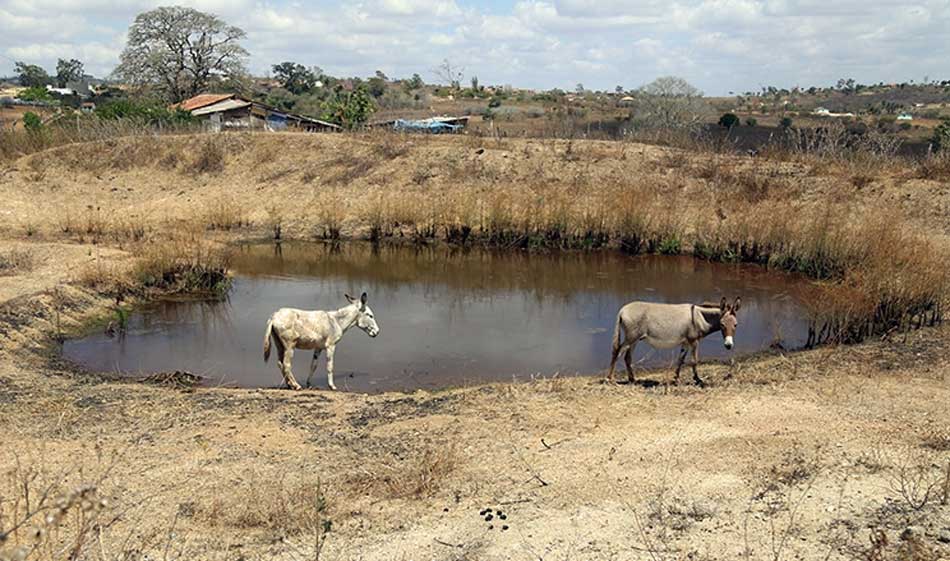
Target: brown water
x=447 y=316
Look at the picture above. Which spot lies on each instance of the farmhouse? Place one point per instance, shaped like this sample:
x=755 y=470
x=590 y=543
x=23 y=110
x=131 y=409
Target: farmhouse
x=230 y=111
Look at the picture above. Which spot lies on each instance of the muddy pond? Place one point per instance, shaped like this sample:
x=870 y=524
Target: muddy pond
x=448 y=316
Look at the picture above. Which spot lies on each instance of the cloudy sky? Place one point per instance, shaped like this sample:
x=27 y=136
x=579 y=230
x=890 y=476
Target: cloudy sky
x=719 y=45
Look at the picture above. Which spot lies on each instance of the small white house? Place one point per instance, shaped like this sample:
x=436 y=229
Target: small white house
x=905 y=117
x=821 y=111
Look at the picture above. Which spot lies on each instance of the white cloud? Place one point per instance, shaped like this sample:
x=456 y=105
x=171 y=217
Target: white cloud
x=720 y=45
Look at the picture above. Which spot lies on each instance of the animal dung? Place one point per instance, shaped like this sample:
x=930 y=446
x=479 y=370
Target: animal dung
x=489 y=514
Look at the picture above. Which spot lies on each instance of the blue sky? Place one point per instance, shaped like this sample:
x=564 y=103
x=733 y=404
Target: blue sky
x=719 y=45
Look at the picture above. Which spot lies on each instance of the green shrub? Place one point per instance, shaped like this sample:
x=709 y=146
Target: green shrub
x=751 y=122
x=941 y=136
x=145 y=112
x=32 y=122
x=35 y=94
x=729 y=120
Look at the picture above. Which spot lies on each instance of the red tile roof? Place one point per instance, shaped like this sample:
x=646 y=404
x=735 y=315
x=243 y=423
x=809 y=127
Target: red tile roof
x=202 y=100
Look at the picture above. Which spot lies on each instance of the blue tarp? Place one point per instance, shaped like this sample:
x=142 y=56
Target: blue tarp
x=425 y=125
x=277 y=121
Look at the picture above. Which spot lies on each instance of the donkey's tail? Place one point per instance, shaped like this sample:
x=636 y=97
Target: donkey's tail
x=267 y=338
x=617 y=333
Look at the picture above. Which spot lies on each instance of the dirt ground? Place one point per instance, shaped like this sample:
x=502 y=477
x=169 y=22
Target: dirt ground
x=807 y=455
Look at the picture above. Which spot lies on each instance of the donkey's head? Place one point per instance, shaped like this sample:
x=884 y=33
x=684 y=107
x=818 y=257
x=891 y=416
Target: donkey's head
x=365 y=320
x=728 y=321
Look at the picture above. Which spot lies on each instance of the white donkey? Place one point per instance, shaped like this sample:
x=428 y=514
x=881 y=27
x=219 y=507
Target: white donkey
x=291 y=328
x=665 y=326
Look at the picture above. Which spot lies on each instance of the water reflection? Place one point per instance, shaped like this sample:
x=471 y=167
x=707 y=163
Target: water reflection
x=448 y=315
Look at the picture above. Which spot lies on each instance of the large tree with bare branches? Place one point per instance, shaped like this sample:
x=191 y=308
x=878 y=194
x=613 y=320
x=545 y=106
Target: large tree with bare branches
x=671 y=102
x=180 y=51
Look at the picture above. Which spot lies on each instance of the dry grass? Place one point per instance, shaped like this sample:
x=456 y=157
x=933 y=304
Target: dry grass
x=50 y=515
x=225 y=213
x=281 y=505
x=935 y=167
x=183 y=264
x=16 y=262
x=14 y=144
x=422 y=475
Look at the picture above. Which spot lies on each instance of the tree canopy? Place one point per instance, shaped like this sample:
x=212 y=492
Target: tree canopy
x=68 y=71
x=295 y=78
x=180 y=51
x=31 y=75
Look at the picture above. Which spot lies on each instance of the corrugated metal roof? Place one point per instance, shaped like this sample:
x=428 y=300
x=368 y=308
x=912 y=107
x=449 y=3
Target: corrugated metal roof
x=226 y=105
x=202 y=100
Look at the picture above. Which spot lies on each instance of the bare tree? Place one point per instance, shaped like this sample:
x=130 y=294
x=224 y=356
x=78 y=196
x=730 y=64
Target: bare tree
x=671 y=102
x=180 y=51
x=449 y=74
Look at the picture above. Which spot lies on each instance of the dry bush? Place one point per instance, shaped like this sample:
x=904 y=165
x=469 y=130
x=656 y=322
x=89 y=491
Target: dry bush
x=918 y=483
x=183 y=264
x=669 y=509
x=208 y=158
x=349 y=167
x=389 y=145
x=420 y=476
x=672 y=159
x=16 y=262
x=71 y=515
x=937 y=438
x=276 y=175
x=777 y=486
x=909 y=547
x=281 y=505
x=224 y=214
x=935 y=167
x=331 y=210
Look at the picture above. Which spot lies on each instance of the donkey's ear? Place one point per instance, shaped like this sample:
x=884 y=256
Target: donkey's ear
x=349 y=298
x=735 y=306
x=722 y=304
x=363 y=299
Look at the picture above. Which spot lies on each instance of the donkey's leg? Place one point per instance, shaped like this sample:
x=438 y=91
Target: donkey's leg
x=330 y=350
x=313 y=365
x=614 y=355
x=286 y=367
x=679 y=363
x=696 y=378
x=280 y=358
x=628 y=360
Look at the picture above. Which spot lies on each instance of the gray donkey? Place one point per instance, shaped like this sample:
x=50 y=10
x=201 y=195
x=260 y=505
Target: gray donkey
x=665 y=326
x=291 y=328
